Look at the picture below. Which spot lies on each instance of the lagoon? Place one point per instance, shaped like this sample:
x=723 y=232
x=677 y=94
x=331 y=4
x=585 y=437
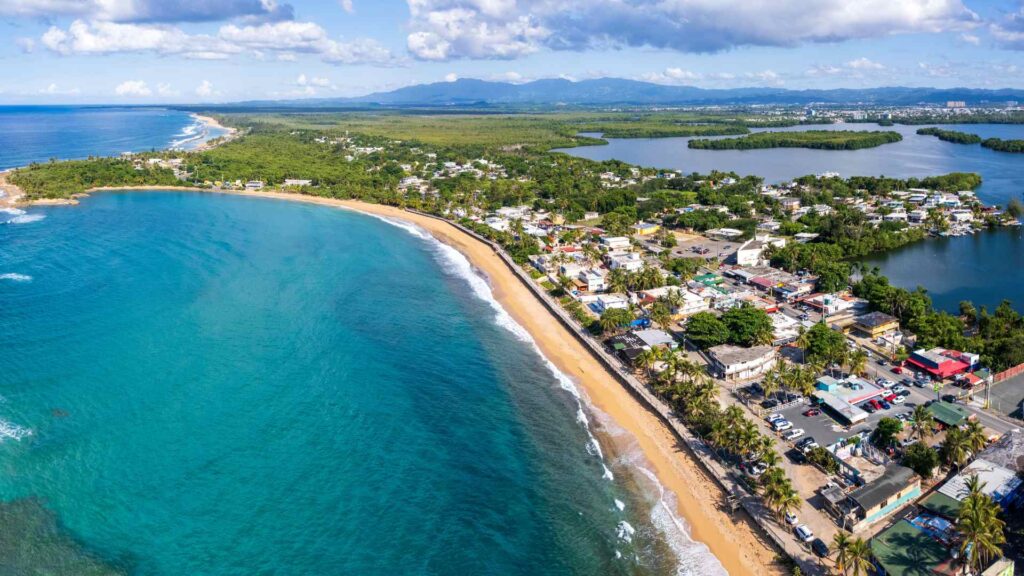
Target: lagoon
x=985 y=268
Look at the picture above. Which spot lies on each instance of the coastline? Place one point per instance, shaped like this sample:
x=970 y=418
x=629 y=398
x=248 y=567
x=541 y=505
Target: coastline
x=211 y=122
x=736 y=542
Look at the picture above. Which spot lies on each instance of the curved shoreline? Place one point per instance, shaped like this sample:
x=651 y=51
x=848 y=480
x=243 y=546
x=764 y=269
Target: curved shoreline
x=736 y=543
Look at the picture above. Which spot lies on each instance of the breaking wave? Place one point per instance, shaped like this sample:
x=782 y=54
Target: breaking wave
x=15 y=277
x=13 y=431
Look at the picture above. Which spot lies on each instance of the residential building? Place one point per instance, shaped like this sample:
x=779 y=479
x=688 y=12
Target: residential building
x=593 y=280
x=610 y=301
x=630 y=262
x=731 y=363
x=749 y=254
x=645 y=228
x=875 y=324
x=877 y=500
x=616 y=242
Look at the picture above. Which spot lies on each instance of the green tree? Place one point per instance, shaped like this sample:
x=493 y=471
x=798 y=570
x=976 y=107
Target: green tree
x=748 y=326
x=705 y=330
x=613 y=319
x=886 y=431
x=922 y=422
x=921 y=458
x=860 y=558
x=981 y=529
x=842 y=542
x=954 y=449
x=824 y=344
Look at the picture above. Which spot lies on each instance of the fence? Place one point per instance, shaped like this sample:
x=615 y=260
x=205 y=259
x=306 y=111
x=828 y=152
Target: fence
x=1008 y=373
x=703 y=453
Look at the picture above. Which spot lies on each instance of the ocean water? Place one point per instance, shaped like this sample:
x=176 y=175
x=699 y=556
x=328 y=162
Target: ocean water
x=207 y=385
x=39 y=133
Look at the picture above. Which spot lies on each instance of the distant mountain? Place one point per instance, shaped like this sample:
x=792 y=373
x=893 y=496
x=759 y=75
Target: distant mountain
x=612 y=91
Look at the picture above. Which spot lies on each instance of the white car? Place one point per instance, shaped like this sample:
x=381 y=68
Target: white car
x=774 y=417
x=888 y=384
x=793 y=434
x=781 y=425
x=898 y=400
x=899 y=389
x=804 y=533
x=791 y=519
x=810 y=446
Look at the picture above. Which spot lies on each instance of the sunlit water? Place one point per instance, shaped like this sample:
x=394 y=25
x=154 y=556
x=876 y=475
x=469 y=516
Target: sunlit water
x=196 y=384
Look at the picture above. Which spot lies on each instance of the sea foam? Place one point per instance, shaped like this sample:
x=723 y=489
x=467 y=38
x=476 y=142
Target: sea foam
x=25 y=218
x=15 y=277
x=11 y=430
x=693 y=557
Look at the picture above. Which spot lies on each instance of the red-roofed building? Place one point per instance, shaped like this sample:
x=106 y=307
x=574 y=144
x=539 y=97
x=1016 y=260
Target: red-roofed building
x=939 y=362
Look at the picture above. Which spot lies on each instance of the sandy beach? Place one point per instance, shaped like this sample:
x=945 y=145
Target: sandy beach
x=737 y=542
x=213 y=123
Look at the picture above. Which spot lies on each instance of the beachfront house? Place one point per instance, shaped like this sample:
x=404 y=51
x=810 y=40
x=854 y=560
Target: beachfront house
x=732 y=363
x=254 y=185
x=879 y=499
x=593 y=280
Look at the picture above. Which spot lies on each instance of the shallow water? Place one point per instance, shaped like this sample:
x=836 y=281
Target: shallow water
x=224 y=385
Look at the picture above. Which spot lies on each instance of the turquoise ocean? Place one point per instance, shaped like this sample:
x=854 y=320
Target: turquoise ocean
x=194 y=384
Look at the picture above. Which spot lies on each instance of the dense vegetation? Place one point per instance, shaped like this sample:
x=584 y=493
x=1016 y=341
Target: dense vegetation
x=817 y=139
x=62 y=179
x=951 y=135
x=1000 y=145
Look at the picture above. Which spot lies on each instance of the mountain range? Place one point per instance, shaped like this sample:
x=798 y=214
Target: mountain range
x=617 y=91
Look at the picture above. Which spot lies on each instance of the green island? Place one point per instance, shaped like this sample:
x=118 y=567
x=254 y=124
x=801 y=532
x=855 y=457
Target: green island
x=950 y=135
x=816 y=139
x=1000 y=145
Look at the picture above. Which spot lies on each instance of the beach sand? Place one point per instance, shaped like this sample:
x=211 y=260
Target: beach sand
x=736 y=542
x=231 y=134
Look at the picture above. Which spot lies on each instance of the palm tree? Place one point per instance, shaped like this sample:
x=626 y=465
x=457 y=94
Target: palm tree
x=646 y=360
x=842 y=543
x=789 y=501
x=974 y=436
x=857 y=362
x=981 y=529
x=921 y=422
x=802 y=340
x=618 y=280
x=954 y=448
x=860 y=557
x=772 y=382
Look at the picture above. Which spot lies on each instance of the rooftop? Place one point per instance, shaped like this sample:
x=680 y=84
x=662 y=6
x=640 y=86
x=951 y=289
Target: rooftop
x=727 y=354
x=947 y=413
x=905 y=550
x=895 y=478
x=875 y=319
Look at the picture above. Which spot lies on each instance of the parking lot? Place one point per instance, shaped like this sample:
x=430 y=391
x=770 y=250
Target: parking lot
x=826 y=430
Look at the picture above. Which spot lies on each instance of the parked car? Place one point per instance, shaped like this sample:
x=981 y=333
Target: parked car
x=781 y=425
x=791 y=519
x=889 y=397
x=810 y=446
x=771 y=418
x=887 y=384
x=820 y=547
x=882 y=362
x=793 y=434
x=812 y=412
x=796 y=456
x=758 y=469
x=885 y=405
x=803 y=533
x=768 y=404
x=898 y=388
x=868 y=407
x=920 y=383
x=897 y=370
x=805 y=441
x=899 y=399
x=948 y=398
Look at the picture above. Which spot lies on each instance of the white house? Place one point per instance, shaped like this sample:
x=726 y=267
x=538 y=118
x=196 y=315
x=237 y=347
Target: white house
x=630 y=262
x=611 y=301
x=499 y=224
x=616 y=242
x=730 y=362
x=594 y=280
x=749 y=254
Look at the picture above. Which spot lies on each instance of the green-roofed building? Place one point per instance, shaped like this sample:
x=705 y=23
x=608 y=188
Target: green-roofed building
x=942 y=505
x=708 y=279
x=948 y=414
x=905 y=550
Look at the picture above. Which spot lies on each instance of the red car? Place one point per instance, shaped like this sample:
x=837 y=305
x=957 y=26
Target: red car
x=812 y=412
x=897 y=370
x=890 y=398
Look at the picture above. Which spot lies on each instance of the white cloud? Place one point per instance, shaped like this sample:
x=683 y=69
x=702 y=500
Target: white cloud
x=672 y=76
x=451 y=77
x=287 y=38
x=347 y=6
x=204 y=89
x=149 y=10
x=1009 y=33
x=864 y=64
x=445 y=29
x=52 y=89
x=768 y=77
x=165 y=89
x=133 y=88
x=970 y=39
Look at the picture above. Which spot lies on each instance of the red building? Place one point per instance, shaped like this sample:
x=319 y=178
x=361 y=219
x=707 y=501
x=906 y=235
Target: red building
x=941 y=363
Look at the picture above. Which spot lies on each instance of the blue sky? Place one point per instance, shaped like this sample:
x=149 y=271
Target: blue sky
x=153 y=51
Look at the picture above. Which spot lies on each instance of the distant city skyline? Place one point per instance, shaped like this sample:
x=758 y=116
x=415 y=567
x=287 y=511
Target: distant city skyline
x=149 y=51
